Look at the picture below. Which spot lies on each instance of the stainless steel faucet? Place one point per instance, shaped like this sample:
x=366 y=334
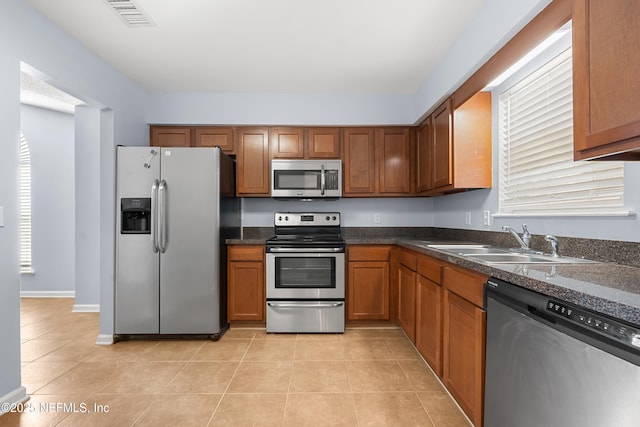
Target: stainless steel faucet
x=524 y=238
x=553 y=240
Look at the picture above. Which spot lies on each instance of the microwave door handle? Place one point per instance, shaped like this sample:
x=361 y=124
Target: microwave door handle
x=322 y=180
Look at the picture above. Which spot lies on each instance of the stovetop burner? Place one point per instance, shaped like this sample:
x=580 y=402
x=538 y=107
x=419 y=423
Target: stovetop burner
x=307 y=228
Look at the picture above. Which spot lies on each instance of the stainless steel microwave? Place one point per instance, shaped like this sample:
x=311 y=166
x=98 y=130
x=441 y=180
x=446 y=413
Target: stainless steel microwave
x=306 y=178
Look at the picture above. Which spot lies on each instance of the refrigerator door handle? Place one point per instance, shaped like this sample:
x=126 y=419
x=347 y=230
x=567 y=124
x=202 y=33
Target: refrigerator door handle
x=154 y=216
x=162 y=216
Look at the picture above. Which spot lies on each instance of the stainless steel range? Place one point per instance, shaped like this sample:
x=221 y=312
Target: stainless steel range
x=306 y=274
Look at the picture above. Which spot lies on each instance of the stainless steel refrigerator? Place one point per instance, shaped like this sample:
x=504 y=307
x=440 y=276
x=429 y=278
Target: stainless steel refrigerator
x=176 y=207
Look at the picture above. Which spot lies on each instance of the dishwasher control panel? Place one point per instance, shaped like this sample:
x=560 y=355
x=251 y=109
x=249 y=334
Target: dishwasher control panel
x=613 y=328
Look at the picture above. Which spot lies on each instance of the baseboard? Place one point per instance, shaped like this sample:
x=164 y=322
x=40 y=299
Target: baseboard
x=15 y=397
x=104 y=340
x=47 y=294
x=86 y=308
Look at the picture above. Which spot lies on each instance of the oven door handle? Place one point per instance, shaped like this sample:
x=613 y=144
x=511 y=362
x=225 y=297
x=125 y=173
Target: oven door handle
x=305 y=305
x=303 y=250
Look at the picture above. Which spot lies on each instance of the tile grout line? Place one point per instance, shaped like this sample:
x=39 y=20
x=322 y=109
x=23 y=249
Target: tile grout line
x=235 y=372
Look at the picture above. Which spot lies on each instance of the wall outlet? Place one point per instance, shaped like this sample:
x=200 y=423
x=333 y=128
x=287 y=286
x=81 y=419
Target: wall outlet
x=486 y=218
x=376 y=218
x=467 y=218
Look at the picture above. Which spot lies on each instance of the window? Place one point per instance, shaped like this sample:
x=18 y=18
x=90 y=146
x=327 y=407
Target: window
x=537 y=171
x=25 y=206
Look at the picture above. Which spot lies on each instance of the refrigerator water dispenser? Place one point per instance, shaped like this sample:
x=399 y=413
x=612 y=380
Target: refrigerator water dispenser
x=136 y=215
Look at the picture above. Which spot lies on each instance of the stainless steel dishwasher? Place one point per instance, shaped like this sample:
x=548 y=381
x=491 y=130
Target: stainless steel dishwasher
x=551 y=363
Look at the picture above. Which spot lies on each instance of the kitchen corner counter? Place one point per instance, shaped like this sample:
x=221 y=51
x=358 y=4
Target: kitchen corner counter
x=607 y=288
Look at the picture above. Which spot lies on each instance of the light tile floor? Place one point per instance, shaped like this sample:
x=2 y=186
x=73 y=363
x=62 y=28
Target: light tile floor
x=366 y=377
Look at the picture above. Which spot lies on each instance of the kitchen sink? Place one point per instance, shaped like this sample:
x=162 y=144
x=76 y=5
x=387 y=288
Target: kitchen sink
x=488 y=254
x=464 y=247
x=523 y=258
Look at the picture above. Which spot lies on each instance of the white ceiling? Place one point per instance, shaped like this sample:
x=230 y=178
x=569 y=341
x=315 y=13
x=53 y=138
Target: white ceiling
x=304 y=46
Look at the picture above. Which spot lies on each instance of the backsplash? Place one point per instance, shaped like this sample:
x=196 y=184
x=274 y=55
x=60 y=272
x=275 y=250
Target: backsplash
x=617 y=252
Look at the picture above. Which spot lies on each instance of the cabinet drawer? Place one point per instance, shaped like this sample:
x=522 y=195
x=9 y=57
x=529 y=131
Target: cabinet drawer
x=408 y=259
x=368 y=253
x=430 y=268
x=465 y=283
x=246 y=253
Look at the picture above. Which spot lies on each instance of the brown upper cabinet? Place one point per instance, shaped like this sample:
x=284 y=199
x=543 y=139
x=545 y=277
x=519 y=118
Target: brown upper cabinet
x=424 y=148
x=358 y=158
x=454 y=147
x=216 y=136
x=323 y=143
x=393 y=149
x=606 y=81
x=287 y=143
x=194 y=136
x=301 y=143
x=377 y=162
x=162 y=136
x=252 y=162
x=442 y=152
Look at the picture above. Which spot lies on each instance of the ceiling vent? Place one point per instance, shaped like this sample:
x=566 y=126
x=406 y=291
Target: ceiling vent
x=131 y=13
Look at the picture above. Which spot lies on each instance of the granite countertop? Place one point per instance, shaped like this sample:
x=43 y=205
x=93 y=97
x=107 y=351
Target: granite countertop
x=607 y=288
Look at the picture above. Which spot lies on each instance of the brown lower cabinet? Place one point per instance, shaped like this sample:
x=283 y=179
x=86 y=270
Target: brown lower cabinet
x=407 y=282
x=440 y=308
x=463 y=345
x=368 y=282
x=246 y=293
x=429 y=312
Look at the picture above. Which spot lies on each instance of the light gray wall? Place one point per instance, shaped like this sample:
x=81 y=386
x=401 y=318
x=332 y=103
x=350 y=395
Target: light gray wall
x=50 y=136
x=26 y=36
x=394 y=212
x=87 y=254
x=496 y=23
x=279 y=108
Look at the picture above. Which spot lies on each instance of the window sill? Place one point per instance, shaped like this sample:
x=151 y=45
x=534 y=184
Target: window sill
x=566 y=215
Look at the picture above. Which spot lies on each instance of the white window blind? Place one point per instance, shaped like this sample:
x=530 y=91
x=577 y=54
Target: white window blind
x=537 y=171
x=25 y=206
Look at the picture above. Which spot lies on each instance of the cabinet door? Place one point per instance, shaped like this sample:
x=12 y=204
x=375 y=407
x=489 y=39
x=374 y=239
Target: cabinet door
x=472 y=143
x=246 y=299
x=222 y=137
x=424 y=172
x=287 y=143
x=407 y=301
x=368 y=290
x=252 y=163
x=463 y=354
x=162 y=136
x=323 y=143
x=606 y=82
x=429 y=322
x=394 y=162
x=359 y=162
x=442 y=144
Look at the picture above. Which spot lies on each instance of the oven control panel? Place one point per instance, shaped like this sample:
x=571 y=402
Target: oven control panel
x=307 y=219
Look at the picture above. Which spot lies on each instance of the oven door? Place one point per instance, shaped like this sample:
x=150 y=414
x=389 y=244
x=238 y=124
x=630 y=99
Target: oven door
x=312 y=274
